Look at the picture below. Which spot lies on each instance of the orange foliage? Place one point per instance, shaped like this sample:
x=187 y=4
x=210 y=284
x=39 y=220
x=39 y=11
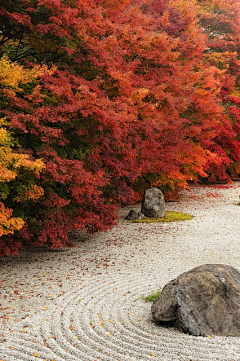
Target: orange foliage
x=132 y=93
x=8 y=224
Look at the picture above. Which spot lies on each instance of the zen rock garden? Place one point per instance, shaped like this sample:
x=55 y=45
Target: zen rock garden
x=203 y=301
x=86 y=303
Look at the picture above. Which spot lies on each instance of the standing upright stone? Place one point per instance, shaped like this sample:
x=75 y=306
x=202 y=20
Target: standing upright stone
x=153 y=204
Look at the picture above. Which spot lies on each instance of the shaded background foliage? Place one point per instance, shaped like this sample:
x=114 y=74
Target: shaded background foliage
x=109 y=98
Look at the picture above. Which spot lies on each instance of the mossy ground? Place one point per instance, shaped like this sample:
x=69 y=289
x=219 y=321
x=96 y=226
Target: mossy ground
x=169 y=217
x=152 y=297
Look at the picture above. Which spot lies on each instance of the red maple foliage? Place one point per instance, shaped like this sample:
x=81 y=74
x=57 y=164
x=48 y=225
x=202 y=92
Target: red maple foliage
x=220 y=21
x=127 y=97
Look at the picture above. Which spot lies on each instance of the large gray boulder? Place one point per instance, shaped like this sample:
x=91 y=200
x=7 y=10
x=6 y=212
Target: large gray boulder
x=203 y=301
x=153 y=204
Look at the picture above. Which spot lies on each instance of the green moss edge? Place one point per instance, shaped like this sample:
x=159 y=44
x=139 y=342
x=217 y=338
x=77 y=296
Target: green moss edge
x=152 y=297
x=169 y=217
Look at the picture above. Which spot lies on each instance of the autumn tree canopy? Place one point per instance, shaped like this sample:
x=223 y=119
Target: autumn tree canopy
x=101 y=99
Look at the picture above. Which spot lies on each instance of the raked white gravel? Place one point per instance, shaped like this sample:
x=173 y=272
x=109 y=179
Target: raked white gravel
x=85 y=304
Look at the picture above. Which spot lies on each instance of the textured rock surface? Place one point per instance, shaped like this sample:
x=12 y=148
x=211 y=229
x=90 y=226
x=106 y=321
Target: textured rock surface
x=133 y=215
x=204 y=301
x=153 y=204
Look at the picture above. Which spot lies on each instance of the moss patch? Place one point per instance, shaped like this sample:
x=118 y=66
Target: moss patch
x=152 y=297
x=169 y=217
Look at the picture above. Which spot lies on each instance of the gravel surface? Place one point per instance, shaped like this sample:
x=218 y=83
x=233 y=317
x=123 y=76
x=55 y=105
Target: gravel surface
x=85 y=304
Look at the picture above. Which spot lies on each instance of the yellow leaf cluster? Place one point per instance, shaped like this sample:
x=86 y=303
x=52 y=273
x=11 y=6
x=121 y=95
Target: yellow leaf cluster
x=30 y=193
x=6 y=175
x=8 y=224
x=11 y=162
x=24 y=161
x=11 y=166
x=13 y=74
x=138 y=95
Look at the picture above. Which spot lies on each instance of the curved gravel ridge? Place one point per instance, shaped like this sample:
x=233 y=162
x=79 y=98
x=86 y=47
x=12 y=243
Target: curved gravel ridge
x=108 y=321
x=99 y=314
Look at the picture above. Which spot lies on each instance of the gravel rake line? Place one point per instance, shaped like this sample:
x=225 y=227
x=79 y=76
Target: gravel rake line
x=64 y=337
x=111 y=322
x=15 y=350
x=81 y=330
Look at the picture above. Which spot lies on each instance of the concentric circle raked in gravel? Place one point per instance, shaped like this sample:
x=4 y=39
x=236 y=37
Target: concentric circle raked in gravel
x=95 y=310
x=108 y=320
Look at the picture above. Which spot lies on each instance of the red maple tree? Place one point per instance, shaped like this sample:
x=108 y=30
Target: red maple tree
x=130 y=95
